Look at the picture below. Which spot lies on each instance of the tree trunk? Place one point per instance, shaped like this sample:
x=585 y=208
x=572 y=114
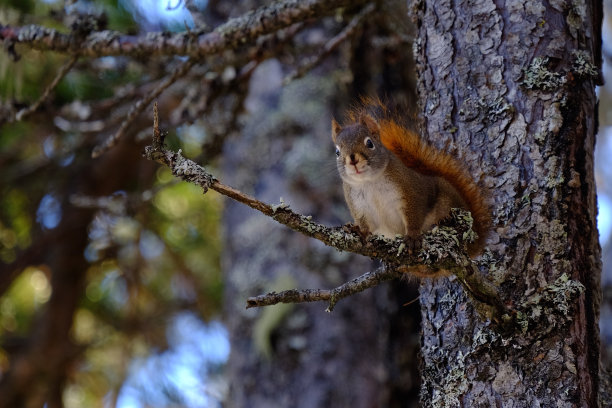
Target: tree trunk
x=510 y=88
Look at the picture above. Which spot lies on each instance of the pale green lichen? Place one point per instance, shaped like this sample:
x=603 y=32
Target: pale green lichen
x=576 y=17
x=495 y=109
x=553 y=238
x=552 y=306
x=538 y=76
x=582 y=65
x=438 y=244
x=562 y=294
x=525 y=200
x=574 y=22
x=554 y=177
x=453 y=386
x=487 y=260
x=338 y=238
x=484 y=336
x=522 y=321
x=552 y=182
x=401 y=248
x=442 y=242
x=281 y=206
x=188 y=170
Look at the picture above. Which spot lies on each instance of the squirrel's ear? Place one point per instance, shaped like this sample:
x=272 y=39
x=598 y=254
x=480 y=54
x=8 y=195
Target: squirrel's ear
x=335 y=129
x=371 y=123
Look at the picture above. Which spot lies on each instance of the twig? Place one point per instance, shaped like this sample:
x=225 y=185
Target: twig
x=140 y=106
x=242 y=30
x=365 y=281
x=330 y=45
x=157 y=137
x=60 y=74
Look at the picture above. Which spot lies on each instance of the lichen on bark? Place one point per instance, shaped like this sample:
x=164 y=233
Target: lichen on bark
x=535 y=161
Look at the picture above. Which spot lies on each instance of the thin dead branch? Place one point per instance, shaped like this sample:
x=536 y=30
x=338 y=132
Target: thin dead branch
x=23 y=113
x=330 y=46
x=140 y=106
x=242 y=30
x=357 y=285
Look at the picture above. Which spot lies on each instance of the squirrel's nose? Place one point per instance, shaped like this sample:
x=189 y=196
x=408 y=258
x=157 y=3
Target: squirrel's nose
x=352 y=157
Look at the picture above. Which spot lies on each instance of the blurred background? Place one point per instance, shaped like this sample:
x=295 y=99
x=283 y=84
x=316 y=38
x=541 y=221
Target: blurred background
x=603 y=178
x=150 y=330
x=149 y=324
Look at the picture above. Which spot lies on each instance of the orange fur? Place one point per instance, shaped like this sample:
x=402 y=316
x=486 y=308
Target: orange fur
x=417 y=154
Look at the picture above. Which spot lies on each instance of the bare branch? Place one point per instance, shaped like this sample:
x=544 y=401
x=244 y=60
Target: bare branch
x=330 y=45
x=443 y=248
x=45 y=95
x=357 y=285
x=140 y=106
x=237 y=31
x=343 y=238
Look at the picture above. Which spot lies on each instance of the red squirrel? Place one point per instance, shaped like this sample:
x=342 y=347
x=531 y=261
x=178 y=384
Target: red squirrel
x=397 y=184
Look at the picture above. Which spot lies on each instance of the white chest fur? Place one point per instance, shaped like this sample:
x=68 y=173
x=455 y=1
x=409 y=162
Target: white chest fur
x=379 y=202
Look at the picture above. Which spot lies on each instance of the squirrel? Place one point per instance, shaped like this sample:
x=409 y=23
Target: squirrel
x=397 y=184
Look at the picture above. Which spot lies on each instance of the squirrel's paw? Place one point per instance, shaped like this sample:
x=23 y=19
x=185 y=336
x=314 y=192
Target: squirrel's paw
x=356 y=229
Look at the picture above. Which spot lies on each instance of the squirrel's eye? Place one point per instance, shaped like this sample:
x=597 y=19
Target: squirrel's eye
x=368 y=142
x=337 y=151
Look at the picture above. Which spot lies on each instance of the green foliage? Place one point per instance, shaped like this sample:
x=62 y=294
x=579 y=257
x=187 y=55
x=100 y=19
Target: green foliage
x=22 y=80
x=83 y=86
x=15 y=232
x=119 y=18
x=153 y=248
x=189 y=226
x=10 y=135
x=27 y=293
x=23 y=6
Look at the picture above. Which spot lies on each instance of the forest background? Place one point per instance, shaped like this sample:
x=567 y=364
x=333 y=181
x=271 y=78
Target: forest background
x=142 y=317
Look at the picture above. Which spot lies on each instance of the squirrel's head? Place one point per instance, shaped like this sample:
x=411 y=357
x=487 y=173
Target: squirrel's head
x=360 y=153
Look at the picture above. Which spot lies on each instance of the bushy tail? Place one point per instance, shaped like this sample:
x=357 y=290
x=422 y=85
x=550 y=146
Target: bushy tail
x=420 y=156
x=415 y=153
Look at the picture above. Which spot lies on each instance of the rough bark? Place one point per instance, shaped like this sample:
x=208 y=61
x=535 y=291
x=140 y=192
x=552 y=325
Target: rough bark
x=509 y=86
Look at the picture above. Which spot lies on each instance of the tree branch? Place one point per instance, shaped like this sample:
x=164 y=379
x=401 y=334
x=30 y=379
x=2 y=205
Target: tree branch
x=237 y=31
x=34 y=107
x=396 y=252
x=357 y=285
x=331 y=45
x=140 y=106
x=442 y=248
